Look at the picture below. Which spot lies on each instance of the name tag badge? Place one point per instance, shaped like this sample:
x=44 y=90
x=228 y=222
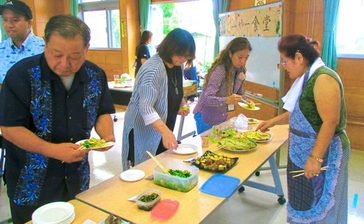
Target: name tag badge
x=231 y=107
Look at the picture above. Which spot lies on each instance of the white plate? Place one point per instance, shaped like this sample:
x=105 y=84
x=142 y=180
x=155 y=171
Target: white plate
x=119 y=85
x=107 y=144
x=132 y=175
x=55 y=212
x=266 y=140
x=185 y=149
x=240 y=151
x=246 y=107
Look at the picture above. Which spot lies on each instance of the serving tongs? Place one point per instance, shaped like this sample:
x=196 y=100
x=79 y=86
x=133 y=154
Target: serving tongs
x=163 y=168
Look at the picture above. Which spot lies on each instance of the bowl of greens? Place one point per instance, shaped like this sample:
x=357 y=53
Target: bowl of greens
x=180 y=177
x=148 y=199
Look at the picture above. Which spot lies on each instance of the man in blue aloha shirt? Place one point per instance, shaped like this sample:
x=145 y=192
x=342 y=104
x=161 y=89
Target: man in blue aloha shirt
x=47 y=103
x=22 y=43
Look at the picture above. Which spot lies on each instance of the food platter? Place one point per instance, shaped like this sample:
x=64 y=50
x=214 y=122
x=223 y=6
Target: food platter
x=94 y=144
x=213 y=162
x=257 y=136
x=242 y=144
x=246 y=106
x=239 y=151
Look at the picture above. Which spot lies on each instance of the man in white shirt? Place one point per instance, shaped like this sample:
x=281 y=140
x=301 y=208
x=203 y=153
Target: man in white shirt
x=22 y=43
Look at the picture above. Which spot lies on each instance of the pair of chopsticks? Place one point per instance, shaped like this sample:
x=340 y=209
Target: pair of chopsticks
x=247 y=102
x=216 y=148
x=82 y=148
x=302 y=172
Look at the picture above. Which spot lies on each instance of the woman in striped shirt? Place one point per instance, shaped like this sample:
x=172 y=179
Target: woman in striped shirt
x=223 y=85
x=157 y=99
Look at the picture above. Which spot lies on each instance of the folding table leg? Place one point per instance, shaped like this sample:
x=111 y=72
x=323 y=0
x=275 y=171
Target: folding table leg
x=276 y=189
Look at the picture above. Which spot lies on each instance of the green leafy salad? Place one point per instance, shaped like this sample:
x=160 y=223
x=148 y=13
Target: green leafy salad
x=180 y=173
x=148 y=197
x=94 y=143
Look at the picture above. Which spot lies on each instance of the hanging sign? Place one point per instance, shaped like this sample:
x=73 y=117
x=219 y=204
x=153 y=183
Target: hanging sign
x=264 y=21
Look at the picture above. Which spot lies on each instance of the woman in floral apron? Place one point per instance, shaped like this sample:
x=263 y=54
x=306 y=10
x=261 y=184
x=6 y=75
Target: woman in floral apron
x=317 y=117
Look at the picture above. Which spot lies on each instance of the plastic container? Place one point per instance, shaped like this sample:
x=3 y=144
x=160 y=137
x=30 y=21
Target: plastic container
x=165 y=209
x=147 y=206
x=174 y=182
x=220 y=185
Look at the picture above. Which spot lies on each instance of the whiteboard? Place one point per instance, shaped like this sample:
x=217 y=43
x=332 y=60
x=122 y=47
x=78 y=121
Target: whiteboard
x=262 y=66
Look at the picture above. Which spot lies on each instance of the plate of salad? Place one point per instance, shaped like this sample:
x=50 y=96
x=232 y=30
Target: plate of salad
x=257 y=136
x=249 y=106
x=241 y=144
x=94 y=144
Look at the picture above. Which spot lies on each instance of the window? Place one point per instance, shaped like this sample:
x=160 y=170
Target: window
x=103 y=18
x=193 y=16
x=350 y=32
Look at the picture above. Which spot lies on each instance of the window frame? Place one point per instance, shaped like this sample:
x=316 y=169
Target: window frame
x=345 y=55
x=106 y=6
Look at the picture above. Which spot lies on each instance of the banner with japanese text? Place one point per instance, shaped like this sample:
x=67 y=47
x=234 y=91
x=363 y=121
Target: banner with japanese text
x=258 y=21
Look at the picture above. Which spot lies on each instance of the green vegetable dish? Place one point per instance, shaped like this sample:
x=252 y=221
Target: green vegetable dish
x=241 y=144
x=148 y=197
x=180 y=173
x=94 y=143
x=214 y=162
x=178 y=178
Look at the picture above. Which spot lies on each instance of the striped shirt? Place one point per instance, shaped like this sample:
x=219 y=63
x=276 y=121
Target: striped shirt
x=10 y=54
x=148 y=103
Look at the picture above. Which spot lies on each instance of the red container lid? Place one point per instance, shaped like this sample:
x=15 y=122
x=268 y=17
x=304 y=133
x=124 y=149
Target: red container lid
x=165 y=209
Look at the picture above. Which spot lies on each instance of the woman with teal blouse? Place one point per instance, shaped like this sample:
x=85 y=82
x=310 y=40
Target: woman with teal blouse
x=316 y=114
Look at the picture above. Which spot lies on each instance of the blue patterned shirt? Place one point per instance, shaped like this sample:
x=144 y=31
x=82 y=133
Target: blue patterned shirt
x=34 y=97
x=10 y=54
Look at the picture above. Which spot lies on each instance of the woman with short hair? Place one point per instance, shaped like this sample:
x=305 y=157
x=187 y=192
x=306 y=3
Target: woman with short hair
x=157 y=99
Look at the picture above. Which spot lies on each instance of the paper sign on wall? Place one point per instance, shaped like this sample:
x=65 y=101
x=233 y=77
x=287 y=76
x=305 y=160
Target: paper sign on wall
x=256 y=22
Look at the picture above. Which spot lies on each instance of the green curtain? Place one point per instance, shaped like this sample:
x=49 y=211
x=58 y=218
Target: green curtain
x=331 y=8
x=3 y=33
x=74 y=7
x=219 y=6
x=144 y=6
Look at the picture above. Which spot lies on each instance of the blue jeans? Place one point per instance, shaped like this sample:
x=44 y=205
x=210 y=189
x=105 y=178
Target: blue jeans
x=200 y=124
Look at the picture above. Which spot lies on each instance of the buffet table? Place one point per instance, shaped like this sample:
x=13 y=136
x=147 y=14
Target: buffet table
x=120 y=95
x=112 y=195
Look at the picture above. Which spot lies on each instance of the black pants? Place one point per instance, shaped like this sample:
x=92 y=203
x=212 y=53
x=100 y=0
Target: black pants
x=22 y=214
x=131 y=154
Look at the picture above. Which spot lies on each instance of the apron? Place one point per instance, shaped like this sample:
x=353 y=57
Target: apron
x=316 y=200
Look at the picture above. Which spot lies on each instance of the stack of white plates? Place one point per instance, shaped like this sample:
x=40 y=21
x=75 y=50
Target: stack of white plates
x=54 y=213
